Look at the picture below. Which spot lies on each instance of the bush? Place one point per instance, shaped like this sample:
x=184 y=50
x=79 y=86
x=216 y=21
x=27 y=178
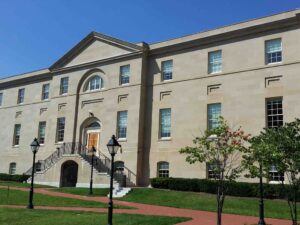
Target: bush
x=16 y=178
x=240 y=189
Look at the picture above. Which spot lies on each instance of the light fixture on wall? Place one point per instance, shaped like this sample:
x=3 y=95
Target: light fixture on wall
x=91 y=114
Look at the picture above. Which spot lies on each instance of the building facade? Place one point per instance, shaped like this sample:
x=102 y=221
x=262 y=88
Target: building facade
x=155 y=97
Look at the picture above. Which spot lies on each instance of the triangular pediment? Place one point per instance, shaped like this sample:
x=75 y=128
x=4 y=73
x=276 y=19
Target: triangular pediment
x=93 y=48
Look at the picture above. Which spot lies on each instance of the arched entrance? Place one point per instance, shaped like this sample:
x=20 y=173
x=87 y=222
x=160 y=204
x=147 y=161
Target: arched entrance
x=90 y=131
x=69 y=173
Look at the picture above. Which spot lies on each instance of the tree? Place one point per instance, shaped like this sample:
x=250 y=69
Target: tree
x=221 y=148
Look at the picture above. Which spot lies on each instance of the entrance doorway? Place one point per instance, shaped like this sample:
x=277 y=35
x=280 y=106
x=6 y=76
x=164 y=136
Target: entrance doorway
x=69 y=173
x=91 y=136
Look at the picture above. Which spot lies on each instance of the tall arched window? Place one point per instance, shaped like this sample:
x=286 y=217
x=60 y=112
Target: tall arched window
x=12 y=168
x=163 y=169
x=94 y=83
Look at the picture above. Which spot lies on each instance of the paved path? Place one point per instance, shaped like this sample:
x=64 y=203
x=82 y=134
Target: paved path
x=198 y=217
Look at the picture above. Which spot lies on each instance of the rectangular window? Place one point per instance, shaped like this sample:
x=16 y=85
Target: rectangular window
x=60 y=129
x=213 y=172
x=45 y=92
x=124 y=74
x=42 y=132
x=273 y=51
x=167 y=70
x=274 y=175
x=274 y=112
x=21 y=95
x=64 y=85
x=165 y=123
x=215 y=62
x=122 y=124
x=12 y=168
x=17 y=133
x=213 y=115
x=1 y=99
x=163 y=169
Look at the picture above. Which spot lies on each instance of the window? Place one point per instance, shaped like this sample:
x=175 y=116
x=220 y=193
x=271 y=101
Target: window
x=45 y=92
x=274 y=112
x=94 y=83
x=124 y=74
x=21 y=95
x=165 y=123
x=42 y=132
x=274 y=175
x=38 y=167
x=12 y=168
x=122 y=124
x=213 y=172
x=1 y=99
x=119 y=166
x=17 y=133
x=215 y=62
x=273 y=51
x=60 y=129
x=213 y=115
x=163 y=169
x=167 y=70
x=64 y=85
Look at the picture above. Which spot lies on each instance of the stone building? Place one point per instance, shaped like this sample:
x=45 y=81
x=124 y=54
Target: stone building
x=155 y=97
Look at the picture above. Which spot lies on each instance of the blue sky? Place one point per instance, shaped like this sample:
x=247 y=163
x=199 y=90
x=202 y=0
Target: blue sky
x=36 y=33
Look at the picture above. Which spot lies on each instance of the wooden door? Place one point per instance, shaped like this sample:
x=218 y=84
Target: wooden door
x=92 y=140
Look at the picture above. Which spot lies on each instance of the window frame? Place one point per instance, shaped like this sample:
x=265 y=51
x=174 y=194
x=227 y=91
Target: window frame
x=1 y=98
x=59 y=130
x=44 y=92
x=267 y=116
x=163 y=172
x=119 y=125
x=39 y=132
x=88 y=85
x=208 y=114
x=163 y=137
x=17 y=138
x=164 y=73
x=12 y=170
x=21 y=96
x=211 y=64
x=64 y=88
x=122 y=75
x=267 y=53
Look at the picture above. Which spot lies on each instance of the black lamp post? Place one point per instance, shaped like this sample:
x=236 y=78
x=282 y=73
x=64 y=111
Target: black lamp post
x=113 y=147
x=34 y=147
x=261 y=198
x=92 y=168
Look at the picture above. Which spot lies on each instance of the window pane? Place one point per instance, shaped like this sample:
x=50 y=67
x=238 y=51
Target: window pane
x=214 y=113
x=64 y=85
x=124 y=74
x=163 y=169
x=12 y=168
x=167 y=70
x=165 y=123
x=122 y=124
x=215 y=62
x=274 y=51
x=45 y=92
x=60 y=129
x=274 y=113
x=21 y=95
x=17 y=133
x=42 y=132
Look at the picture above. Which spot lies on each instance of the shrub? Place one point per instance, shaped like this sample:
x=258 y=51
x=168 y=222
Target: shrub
x=239 y=189
x=16 y=178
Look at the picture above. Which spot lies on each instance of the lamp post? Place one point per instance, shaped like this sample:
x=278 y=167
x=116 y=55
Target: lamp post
x=92 y=168
x=261 y=198
x=34 y=147
x=113 y=147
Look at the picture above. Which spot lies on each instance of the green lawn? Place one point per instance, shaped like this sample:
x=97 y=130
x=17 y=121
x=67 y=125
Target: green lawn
x=19 y=184
x=84 y=191
x=16 y=197
x=47 y=217
x=207 y=202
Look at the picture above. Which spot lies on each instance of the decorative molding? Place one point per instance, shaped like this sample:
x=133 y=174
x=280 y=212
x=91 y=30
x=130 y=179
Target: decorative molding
x=212 y=89
x=62 y=106
x=272 y=81
x=87 y=102
x=122 y=98
x=42 y=110
x=164 y=95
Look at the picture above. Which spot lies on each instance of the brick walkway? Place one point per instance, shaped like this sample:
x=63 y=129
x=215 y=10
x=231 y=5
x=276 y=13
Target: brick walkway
x=198 y=217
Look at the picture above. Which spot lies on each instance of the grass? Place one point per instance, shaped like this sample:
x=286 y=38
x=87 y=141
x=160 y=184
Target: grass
x=47 y=217
x=83 y=191
x=207 y=202
x=16 y=197
x=19 y=184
